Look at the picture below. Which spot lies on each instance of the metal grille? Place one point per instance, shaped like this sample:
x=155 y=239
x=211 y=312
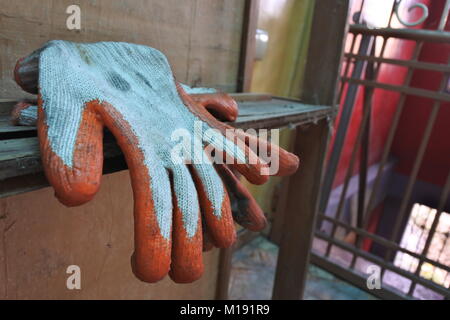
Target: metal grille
x=339 y=244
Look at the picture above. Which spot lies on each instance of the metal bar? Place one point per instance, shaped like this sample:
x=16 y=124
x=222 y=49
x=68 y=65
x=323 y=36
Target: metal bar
x=349 y=173
x=388 y=265
x=364 y=152
x=382 y=241
x=346 y=113
x=404 y=63
x=417 y=163
x=361 y=9
x=419 y=36
x=440 y=96
x=346 y=181
x=407 y=34
x=444 y=16
x=441 y=251
x=391 y=135
x=348 y=62
x=422 y=234
x=442 y=202
x=391 y=15
x=352 y=46
x=347 y=68
x=364 y=149
x=357 y=279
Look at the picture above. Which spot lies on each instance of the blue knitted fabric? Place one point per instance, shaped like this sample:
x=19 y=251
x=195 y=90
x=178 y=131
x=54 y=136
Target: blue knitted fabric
x=138 y=81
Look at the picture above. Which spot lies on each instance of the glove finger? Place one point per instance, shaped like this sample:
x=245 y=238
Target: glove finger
x=72 y=160
x=24 y=113
x=152 y=200
x=214 y=204
x=220 y=105
x=235 y=152
x=208 y=243
x=187 y=243
x=287 y=162
x=225 y=141
x=26 y=72
x=248 y=213
x=225 y=108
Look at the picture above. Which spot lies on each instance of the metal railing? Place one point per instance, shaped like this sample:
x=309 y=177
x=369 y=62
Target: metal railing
x=347 y=258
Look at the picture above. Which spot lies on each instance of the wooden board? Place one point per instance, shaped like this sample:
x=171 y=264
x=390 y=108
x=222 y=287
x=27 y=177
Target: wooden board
x=248 y=44
x=201 y=38
x=20 y=156
x=255 y=111
x=303 y=192
x=40 y=238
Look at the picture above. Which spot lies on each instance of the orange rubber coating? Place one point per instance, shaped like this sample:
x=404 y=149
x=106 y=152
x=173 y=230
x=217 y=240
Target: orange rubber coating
x=220 y=105
x=249 y=214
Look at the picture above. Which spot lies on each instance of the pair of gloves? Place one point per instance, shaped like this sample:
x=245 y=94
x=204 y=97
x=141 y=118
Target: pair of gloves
x=170 y=136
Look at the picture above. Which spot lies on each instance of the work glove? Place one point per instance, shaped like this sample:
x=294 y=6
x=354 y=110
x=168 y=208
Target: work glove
x=245 y=210
x=131 y=90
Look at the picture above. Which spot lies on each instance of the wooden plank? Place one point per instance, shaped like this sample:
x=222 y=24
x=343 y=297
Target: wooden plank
x=300 y=213
x=20 y=157
x=18 y=148
x=254 y=111
x=7 y=127
x=248 y=44
x=250 y=96
x=6 y=106
x=276 y=232
x=22 y=184
x=252 y=114
x=201 y=38
x=223 y=276
x=40 y=238
x=323 y=64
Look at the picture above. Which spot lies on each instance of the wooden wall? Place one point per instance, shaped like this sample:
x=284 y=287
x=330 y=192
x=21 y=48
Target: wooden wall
x=201 y=38
x=39 y=237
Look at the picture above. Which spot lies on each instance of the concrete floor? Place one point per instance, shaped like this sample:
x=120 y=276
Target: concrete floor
x=253 y=273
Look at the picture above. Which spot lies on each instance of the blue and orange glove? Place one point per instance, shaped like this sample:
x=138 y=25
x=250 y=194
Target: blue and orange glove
x=131 y=90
